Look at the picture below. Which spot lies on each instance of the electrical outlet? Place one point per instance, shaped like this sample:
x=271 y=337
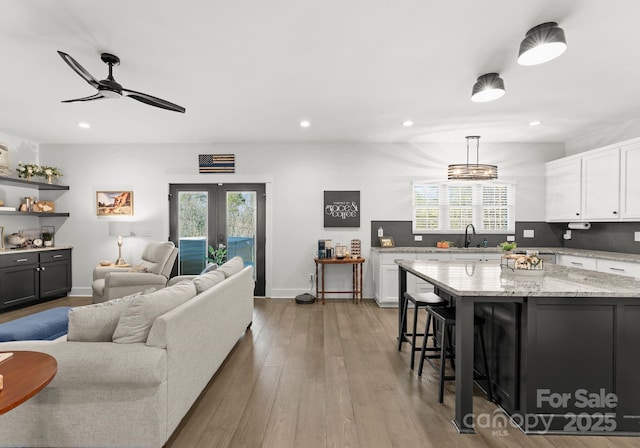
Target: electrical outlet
x=636 y=236
x=417 y=237
x=310 y=277
x=511 y=238
x=528 y=234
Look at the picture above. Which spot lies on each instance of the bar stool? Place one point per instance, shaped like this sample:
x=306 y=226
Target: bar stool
x=446 y=316
x=420 y=300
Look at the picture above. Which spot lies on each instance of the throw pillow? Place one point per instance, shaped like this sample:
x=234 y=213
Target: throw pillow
x=231 y=267
x=96 y=323
x=209 y=267
x=208 y=280
x=137 y=318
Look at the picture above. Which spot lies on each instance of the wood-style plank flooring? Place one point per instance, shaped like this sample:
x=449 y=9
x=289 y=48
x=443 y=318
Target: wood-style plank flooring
x=330 y=376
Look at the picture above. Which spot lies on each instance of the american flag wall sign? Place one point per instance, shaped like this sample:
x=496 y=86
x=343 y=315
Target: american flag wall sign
x=217 y=163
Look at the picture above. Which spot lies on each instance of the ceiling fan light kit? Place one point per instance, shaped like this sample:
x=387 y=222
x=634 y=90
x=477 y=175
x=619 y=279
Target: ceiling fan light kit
x=488 y=87
x=109 y=88
x=472 y=171
x=541 y=44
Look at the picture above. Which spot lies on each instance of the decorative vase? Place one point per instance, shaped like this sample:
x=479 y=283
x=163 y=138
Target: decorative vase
x=28 y=177
x=48 y=243
x=49 y=178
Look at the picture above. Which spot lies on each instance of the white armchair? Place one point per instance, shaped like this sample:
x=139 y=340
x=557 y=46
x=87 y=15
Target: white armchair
x=111 y=282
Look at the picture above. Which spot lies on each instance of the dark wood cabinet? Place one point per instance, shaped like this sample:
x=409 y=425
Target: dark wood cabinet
x=31 y=277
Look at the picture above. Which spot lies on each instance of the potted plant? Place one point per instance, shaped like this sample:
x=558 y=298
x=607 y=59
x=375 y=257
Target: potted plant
x=217 y=256
x=47 y=238
x=508 y=246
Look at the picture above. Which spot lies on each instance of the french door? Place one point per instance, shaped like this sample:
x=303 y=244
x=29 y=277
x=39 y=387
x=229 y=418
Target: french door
x=226 y=218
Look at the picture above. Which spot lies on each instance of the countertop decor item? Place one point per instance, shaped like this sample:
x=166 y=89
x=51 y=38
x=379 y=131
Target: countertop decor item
x=17 y=239
x=472 y=171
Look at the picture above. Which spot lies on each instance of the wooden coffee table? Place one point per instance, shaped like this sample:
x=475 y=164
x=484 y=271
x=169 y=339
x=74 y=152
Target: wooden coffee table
x=25 y=374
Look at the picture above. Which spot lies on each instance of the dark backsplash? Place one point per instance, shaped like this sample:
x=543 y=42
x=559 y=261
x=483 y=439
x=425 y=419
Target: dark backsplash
x=613 y=237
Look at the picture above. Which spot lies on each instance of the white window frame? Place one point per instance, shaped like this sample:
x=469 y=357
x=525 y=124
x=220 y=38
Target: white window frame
x=431 y=207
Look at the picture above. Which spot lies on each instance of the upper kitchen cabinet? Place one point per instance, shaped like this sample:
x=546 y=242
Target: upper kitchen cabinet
x=601 y=185
x=564 y=189
x=597 y=185
x=630 y=181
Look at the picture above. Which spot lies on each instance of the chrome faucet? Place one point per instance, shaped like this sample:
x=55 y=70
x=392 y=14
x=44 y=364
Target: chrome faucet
x=467 y=237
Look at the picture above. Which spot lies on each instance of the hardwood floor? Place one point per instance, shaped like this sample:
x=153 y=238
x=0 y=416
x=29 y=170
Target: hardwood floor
x=330 y=376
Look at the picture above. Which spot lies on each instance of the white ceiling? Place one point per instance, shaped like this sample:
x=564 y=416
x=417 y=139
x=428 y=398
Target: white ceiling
x=250 y=70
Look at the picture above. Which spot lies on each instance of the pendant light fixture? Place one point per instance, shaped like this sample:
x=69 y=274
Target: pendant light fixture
x=489 y=87
x=542 y=44
x=472 y=171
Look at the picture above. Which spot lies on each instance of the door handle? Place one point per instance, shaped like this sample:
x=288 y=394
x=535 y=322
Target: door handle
x=22 y=260
x=57 y=256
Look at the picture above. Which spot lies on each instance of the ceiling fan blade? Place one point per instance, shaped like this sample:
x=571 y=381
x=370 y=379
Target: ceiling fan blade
x=152 y=100
x=97 y=96
x=79 y=69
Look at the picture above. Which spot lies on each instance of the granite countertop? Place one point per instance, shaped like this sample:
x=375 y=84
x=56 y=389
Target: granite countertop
x=32 y=249
x=617 y=256
x=476 y=278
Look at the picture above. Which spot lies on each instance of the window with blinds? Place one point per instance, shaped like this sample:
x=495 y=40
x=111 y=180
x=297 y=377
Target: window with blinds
x=442 y=207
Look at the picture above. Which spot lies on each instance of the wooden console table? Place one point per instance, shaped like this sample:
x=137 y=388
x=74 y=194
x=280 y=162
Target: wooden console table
x=356 y=282
x=25 y=374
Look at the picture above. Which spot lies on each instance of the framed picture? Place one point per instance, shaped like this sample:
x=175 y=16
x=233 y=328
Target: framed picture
x=114 y=203
x=4 y=160
x=387 y=241
x=341 y=209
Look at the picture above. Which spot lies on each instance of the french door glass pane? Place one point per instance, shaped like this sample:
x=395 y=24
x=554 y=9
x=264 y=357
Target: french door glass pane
x=193 y=218
x=241 y=226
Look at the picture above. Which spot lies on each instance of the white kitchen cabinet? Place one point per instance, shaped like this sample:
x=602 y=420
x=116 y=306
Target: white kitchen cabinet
x=385 y=275
x=630 y=181
x=476 y=256
x=601 y=185
x=619 y=267
x=573 y=261
x=564 y=190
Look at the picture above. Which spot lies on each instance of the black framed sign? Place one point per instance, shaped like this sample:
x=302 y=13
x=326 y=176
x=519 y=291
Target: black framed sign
x=342 y=209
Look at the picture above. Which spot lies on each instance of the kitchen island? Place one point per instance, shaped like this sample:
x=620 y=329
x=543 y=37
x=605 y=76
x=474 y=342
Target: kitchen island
x=563 y=344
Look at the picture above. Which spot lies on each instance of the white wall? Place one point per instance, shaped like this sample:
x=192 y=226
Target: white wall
x=603 y=136
x=296 y=176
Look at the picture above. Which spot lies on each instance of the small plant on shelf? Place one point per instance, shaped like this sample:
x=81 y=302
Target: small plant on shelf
x=26 y=170
x=47 y=237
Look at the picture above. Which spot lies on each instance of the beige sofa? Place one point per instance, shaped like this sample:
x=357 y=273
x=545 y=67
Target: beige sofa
x=110 y=394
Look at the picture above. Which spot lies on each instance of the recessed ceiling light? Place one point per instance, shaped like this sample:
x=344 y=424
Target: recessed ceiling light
x=84 y=125
x=305 y=123
x=407 y=123
x=535 y=123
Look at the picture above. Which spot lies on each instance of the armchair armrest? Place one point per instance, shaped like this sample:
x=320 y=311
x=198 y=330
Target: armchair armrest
x=120 y=284
x=101 y=271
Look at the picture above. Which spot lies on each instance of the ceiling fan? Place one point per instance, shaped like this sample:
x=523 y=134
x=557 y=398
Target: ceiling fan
x=110 y=88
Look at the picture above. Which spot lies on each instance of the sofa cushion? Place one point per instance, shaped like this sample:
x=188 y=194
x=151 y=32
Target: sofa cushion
x=208 y=280
x=96 y=323
x=138 y=316
x=231 y=267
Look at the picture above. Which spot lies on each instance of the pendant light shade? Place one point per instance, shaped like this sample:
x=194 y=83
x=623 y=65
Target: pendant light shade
x=541 y=44
x=472 y=171
x=489 y=87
